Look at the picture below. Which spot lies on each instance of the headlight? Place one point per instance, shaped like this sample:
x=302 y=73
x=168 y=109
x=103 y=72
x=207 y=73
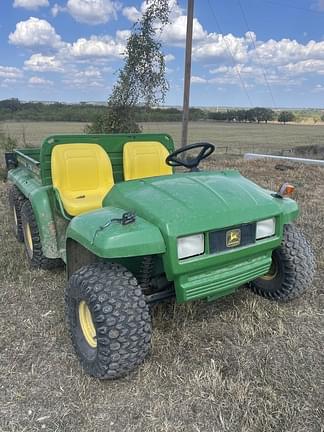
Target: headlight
x=190 y=246
x=265 y=228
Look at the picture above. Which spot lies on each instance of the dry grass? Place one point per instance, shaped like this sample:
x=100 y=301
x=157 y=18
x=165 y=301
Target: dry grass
x=236 y=137
x=239 y=364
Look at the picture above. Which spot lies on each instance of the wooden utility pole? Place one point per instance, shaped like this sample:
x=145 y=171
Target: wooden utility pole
x=187 y=76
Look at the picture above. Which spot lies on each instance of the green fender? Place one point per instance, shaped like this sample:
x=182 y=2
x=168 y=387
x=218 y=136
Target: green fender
x=115 y=240
x=38 y=196
x=290 y=210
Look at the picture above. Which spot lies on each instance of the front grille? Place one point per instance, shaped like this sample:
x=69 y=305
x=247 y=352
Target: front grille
x=217 y=239
x=221 y=281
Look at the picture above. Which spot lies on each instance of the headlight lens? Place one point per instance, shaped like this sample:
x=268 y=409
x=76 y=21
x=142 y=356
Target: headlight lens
x=265 y=228
x=190 y=246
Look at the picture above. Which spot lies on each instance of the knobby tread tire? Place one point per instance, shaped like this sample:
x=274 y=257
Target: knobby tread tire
x=38 y=259
x=120 y=315
x=297 y=268
x=16 y=201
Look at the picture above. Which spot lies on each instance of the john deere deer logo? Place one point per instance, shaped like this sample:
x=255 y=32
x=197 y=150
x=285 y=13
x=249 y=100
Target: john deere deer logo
x=233 y=238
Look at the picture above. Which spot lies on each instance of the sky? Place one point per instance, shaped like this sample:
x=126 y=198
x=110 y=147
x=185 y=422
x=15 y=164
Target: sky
x=245 y=52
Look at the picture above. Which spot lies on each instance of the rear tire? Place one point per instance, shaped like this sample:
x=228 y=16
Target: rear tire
x=16 y=201
x=33 y=245
x=109 y=320
x=292 y=269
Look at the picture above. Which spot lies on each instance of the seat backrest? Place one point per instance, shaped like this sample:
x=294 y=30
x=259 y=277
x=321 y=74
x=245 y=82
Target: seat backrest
x=145 y=159
x=81 y=169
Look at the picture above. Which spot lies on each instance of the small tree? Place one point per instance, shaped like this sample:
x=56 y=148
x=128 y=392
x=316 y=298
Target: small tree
x=142 y=78
x=263 y=114
x=286 y=116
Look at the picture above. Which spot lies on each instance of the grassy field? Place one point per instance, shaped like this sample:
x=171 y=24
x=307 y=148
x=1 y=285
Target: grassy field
x=241 y=364
x=230 y=137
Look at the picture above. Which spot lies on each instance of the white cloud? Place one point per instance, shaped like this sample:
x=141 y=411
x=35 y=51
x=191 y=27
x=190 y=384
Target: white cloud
x=303 y=67
x=318 y=88
x=219 y=69
x=97 y=47
x=217 y=46
x=91 y=11
x=37 y=81
x=175 y=32
x=248 y=75
x=226 y=79
x=232 y=70
x=30 y=4
x=10 y=72
x=7 y=82
x=35 y=32
x=41 y=63
x=237 y=59
x=286 y=50
x=90 y=77
x=131 y=13
x=198 y=80
x=169 y=57
x=123 y=35
x=91 y=72
x=56 y=9
x=228 y=58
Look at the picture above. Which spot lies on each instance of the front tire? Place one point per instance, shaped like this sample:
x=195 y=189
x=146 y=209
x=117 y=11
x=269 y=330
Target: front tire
x=109 y=320
x=292 y=269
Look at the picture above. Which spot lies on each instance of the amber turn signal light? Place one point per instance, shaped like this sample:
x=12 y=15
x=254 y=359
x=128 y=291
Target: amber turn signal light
x=286 y=190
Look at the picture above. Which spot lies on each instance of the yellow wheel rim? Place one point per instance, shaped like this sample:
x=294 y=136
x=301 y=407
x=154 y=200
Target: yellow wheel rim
x=15 y=216
x=86 y=324
x=29 y=237
x=272 y=273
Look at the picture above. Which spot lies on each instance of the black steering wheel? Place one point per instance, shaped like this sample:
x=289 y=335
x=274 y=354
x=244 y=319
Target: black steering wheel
x=206 y=150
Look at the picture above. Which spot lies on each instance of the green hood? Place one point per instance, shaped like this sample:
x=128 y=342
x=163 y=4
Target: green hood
x=187 y=203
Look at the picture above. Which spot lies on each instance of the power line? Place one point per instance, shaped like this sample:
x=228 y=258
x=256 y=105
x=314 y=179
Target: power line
x=256 y=53
x=244 y=88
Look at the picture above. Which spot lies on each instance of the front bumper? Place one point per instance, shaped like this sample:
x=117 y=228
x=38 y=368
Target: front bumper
x=221 y=281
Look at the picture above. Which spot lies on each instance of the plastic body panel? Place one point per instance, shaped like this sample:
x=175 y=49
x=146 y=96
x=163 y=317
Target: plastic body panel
x=42 y=202
x=115 y=240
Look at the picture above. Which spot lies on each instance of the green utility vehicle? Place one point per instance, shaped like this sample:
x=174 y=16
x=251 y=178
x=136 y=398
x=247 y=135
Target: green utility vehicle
x=132 y=232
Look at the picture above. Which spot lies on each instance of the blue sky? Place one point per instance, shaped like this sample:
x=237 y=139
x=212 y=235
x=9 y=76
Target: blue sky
x=245 y=52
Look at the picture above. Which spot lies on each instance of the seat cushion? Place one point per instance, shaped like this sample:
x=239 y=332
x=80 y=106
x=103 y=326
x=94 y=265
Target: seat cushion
x=82 y=175
x=145 y=159
x=82 y=203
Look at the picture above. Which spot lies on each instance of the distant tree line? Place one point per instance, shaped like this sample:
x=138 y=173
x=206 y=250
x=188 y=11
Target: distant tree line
x=252 y=115
x=13 y=109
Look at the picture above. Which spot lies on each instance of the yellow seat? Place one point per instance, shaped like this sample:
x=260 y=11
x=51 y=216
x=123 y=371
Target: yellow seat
x=145 y=159
x=82 y=175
